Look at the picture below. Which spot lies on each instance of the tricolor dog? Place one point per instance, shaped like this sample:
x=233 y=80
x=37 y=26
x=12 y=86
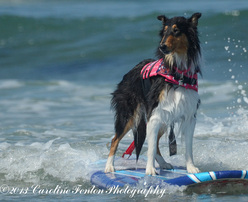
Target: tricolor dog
x=156 y=94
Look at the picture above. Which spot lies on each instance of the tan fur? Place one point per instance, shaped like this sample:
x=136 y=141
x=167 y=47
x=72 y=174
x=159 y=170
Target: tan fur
x=160 y=134
x=161 y=96
x=170 y=42
x=115 y=141
x=182 y=44
x=177 y=44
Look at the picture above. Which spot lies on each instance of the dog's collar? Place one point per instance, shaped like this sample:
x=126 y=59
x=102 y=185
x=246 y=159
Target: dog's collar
x=177 y=77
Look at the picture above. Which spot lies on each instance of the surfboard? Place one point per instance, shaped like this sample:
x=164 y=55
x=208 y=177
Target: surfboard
x=128 y=173
x=178 y=176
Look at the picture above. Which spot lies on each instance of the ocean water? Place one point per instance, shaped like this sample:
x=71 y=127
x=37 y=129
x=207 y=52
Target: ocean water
x=59 y=62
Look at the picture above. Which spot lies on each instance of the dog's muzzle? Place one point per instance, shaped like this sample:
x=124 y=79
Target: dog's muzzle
x=164 y=49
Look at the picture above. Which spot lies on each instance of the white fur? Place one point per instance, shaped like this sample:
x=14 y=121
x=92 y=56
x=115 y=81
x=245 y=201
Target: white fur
x=177 y=105
x=181 y=62
x=110 y=165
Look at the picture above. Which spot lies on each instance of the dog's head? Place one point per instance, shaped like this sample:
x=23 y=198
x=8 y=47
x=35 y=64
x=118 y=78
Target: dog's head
x=179 y=41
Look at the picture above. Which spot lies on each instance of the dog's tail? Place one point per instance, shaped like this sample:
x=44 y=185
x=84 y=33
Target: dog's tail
x=140 y=136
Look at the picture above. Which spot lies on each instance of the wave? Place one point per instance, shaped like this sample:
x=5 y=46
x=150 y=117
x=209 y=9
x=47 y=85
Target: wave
x=34 y=46
x=58 y=160
x=44 y=162
x=55 y=131
x=111 y=8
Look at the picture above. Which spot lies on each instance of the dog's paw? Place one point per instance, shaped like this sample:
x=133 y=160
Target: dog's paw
x=162 y=163
x=109 y=169
x=192 y=169
x=151 y=171
x=166 y=166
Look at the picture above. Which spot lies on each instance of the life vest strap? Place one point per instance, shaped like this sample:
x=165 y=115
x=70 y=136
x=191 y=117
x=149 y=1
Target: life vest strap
x=157 y=68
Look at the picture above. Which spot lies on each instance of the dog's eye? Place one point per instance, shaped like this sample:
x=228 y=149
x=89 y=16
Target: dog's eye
x=176 y=30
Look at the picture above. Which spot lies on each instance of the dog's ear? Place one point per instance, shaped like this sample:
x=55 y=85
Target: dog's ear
x=162 y=18
x=194 y=19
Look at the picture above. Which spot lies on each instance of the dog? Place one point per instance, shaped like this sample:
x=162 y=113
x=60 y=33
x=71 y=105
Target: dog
x=156 y=94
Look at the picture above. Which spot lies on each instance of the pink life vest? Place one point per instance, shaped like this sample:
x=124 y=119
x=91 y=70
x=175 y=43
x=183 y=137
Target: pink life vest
x=157 y=68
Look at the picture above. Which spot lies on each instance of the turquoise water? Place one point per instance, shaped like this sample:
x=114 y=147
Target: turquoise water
x=59 y=62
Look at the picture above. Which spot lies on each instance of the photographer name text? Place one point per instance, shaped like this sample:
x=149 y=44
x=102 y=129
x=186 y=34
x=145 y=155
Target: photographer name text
x=79 y=189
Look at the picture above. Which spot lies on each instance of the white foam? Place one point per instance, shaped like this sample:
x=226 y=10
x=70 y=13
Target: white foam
x=70 y=113
x=34 y=162
x=9 y=83
x=234 y=126
x=4 y=146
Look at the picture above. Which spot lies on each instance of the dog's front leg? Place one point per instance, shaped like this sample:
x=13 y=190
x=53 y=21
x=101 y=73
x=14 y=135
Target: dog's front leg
x=189 y=132
x=152 y=135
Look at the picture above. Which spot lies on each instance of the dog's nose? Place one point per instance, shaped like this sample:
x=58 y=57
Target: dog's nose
x=163 y=49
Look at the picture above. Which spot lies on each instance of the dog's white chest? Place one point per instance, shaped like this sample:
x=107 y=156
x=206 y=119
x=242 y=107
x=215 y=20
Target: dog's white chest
x=176 y=104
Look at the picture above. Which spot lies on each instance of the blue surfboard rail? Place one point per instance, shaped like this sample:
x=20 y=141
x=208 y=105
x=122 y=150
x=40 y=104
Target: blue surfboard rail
x=177 y=177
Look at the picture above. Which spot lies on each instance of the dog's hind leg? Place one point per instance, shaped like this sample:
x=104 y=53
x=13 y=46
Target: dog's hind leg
x=114 y=144
x=162 y=163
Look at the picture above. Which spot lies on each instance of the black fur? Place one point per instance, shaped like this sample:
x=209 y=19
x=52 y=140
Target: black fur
x=172 y=141
x=128 y=95
x=132 y=97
